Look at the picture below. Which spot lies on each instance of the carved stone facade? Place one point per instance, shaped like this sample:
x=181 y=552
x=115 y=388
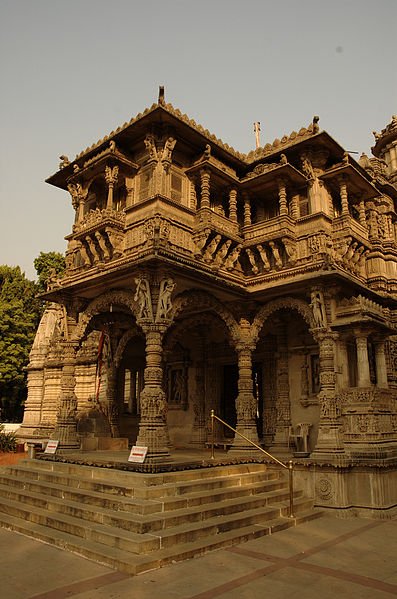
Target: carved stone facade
x=263 y=286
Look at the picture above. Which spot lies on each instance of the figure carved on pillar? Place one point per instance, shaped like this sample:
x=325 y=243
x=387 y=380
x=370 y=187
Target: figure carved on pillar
x=233 y=257
x=164 y=305
x=318 y=308
x=143 y=298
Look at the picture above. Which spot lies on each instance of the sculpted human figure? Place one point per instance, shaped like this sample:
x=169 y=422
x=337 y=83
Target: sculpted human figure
x=221 y=254
x=211 y=249
x=151 y=146
x=168 y=148
x=233 y=257
x=164 y=304
x=251 y=258
x=276 y=254
x=318 y=308
x=264 y=258
x=142 y=296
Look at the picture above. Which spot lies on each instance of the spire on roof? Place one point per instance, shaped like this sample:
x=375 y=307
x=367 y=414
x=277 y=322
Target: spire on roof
x=161 y=99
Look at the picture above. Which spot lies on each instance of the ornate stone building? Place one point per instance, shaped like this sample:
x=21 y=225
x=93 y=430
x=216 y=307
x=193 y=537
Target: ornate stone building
x=260 y=285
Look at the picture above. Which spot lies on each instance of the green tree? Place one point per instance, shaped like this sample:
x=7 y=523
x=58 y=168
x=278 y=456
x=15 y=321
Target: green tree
x=20 y=312
x=48 y=265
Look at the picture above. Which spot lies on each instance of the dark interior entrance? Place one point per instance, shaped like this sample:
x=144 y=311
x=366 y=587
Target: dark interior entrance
x=228 y=399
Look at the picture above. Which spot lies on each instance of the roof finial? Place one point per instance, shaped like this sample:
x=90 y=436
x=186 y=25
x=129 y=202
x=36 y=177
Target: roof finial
x=161 y=95
x=257 y=128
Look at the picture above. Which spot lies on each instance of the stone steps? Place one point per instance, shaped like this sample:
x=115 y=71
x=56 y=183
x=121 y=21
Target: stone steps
x=135 y=522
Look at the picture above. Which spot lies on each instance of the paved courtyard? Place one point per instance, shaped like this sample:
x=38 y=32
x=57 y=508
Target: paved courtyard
x=325 y=558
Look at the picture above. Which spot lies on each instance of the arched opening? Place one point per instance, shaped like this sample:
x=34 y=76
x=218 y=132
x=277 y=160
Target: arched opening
x=97 y=195
x=200 y=375
x=286 y=381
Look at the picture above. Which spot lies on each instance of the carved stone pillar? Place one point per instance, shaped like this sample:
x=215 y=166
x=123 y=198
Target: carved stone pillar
x=233 y=205
x=294 y=207
x=381 y=367
x=343 y=195
x=205 y=189
x=245 y=403
x=66 y=426
x=329 y=439
x=282 y=196
x=283 y=415
x=153 y=432
x=111 y=174
x=363 y=374
x=247 y=211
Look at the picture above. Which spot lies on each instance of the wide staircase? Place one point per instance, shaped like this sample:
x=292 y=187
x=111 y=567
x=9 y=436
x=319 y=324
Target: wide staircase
x=135 y=522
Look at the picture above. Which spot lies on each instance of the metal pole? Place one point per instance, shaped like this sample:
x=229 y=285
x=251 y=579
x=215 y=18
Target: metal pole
x=291 y=489
x=212 y=434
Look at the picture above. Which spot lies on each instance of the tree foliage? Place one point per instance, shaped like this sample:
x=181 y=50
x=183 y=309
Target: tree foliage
x=48 y=265
x=20 y=312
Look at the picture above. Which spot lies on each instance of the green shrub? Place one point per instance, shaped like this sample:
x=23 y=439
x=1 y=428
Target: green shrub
x=8 y=441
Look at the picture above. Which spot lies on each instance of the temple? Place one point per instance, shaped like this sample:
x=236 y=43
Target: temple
x=262 y=286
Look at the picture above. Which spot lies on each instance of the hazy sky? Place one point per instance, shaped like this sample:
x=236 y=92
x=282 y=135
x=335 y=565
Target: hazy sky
x=73 y=70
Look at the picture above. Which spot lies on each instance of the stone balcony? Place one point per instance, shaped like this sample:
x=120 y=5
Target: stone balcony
x=97 y=238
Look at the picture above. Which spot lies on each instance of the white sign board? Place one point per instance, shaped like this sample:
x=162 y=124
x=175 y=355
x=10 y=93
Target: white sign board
x=138 y=454
x=52 y=446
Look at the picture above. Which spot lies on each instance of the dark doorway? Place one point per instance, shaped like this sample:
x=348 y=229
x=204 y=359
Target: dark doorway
x=228 y=399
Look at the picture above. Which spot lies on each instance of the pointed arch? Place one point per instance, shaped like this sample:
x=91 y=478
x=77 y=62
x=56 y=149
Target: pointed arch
x=202 y=300
x=287 y=303
x=116 y=297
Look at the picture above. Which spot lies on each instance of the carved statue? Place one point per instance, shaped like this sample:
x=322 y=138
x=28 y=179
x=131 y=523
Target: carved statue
x=211 y=249
x=318 y=308
x=143 y=297
x=276 y=254
x=168 y=148
x=233 y=257
x=251 y=258
x=151 y=146
x=164 y=305
x=264 y=258
x=221 y=254
x=102 y=245
x=307 y=166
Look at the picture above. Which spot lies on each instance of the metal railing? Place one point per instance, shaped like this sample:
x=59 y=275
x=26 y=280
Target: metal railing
x=289 y=466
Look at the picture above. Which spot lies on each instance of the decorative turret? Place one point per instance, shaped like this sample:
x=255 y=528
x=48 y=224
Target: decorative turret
x=385 y=148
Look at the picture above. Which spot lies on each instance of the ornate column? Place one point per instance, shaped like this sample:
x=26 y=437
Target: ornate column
x=247 y=211
x=329 y=439
x=294 y=206
x=363 y=374
x=111 y=174
x=66 y=426
x=282 y=196
x=283 y=407
x=233 y=205
x=245 y=403
x=205 y=189
x=381 y=367
x=343 y=195
x=153 y=432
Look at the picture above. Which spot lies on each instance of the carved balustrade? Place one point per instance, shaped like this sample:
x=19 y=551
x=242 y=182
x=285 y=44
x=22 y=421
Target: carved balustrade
x=98 y=238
